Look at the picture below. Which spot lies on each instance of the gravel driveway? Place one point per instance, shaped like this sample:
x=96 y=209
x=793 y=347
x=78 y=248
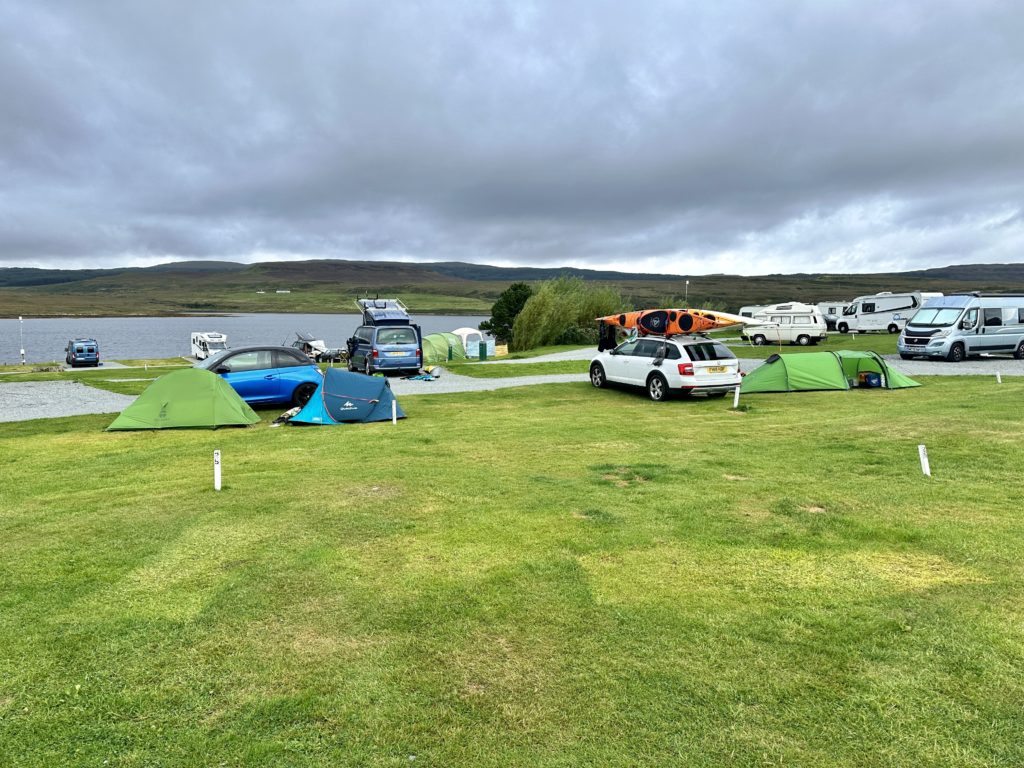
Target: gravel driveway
x=24 y=400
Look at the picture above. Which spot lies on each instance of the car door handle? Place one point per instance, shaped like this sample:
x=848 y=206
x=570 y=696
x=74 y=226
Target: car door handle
x=268 y=378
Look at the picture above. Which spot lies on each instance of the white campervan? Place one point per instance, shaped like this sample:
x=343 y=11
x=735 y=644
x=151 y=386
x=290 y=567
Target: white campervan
x=885 y=311
x=965 y=325
x=207 y=343
x=792 y=322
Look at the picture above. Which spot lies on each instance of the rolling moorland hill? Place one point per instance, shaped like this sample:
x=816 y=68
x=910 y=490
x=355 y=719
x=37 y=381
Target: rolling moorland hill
x=443 y=287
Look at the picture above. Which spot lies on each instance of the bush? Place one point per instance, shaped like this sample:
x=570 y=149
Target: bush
x=562 y=311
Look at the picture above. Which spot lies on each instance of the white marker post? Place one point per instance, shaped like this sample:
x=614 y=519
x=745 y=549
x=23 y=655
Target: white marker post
x=216 y=470
x=925 y=466
x=21 y=332
x=736 y=399
x=999 y=378
x=394 y=411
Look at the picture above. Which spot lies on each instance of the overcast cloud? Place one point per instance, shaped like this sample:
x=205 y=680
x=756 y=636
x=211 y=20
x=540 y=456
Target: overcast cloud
x=687 y=137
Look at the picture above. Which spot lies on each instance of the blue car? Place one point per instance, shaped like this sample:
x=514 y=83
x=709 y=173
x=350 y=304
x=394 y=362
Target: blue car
x=267 y=375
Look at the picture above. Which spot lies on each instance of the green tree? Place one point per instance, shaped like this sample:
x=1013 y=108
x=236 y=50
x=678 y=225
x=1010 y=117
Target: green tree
x=505 y=310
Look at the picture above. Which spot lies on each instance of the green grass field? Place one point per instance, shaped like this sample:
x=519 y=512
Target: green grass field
x=547 y=576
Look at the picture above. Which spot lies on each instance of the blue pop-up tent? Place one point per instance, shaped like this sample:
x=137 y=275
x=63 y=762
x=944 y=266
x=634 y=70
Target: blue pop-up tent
x=348 y=397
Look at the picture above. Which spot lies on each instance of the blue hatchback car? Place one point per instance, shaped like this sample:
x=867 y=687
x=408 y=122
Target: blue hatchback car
x=267 y=375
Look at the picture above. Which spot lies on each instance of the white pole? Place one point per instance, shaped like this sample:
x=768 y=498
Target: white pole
x=21 y=332
x=394 y=411
x=736 y=399
x=925 y=466
x=999 y=378
x=216 y=470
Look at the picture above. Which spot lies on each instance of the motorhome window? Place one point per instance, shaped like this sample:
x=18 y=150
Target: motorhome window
x=781 y=319
x=993 y=317
x=932 y=317
x=869 y=306
x=79 y=349
x=851 y=310
x=396 y=336
x=1020 y=316
x=710 y=351
x=215 y=345
x=970 y=319
x=802 y=320
x=364 y=334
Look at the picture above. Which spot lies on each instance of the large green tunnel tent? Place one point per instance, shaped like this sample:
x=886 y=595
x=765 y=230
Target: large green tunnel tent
x=801 y=372
x=442 y=347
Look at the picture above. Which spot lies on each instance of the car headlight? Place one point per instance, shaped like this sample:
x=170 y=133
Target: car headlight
x=942 y=334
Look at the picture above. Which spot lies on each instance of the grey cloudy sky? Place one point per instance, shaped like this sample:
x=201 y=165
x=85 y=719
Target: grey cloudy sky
x=739 y=136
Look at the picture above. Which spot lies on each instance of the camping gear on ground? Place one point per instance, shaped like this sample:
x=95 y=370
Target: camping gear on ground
x=191 y=397
x=801 y=372
x=345 y=397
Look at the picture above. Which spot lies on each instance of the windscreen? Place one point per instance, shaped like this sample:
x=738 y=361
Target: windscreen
x=936 y=317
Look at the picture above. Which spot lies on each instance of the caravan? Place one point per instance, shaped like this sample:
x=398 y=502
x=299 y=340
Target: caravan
x=963 y=325
x=792 y=322
x=885 y=311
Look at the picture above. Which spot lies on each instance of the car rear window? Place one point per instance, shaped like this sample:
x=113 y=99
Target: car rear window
x=711 y=350
x=396 y=336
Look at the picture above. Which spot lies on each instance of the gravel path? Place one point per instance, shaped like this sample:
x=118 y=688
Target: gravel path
x=26 y=400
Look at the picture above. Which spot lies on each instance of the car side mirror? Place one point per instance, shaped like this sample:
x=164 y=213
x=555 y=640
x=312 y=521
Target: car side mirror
x=222 y=369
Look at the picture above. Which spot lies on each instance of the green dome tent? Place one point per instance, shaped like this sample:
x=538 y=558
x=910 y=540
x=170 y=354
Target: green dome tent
x=802 y=372
x=191 y=397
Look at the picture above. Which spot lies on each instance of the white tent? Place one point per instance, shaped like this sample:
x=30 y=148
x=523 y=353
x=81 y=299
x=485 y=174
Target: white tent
x=471 y=339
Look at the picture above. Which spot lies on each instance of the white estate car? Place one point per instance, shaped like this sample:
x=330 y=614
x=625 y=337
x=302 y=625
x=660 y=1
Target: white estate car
x=682 y=364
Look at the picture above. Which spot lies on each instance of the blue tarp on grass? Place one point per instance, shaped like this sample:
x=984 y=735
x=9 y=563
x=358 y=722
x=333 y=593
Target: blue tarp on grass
x=345 y=397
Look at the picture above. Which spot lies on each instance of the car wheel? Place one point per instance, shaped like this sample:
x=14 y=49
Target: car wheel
x=1018 y=353
x=803 y=340
x=905 y=356
x=759 y=340
x=597 y=377
x=302 y=394
x=957 y=353
x=893 y=328
x=843 y=328
x=657 y=388
x=366 y=367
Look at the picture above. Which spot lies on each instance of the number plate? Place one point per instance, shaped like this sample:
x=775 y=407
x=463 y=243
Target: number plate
x=716 y=369
x=397 y=354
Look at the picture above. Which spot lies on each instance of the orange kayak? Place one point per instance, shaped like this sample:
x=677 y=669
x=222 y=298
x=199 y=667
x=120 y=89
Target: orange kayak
x=672 y=321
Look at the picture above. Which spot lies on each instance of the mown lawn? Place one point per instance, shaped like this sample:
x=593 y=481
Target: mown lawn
x=551 y=576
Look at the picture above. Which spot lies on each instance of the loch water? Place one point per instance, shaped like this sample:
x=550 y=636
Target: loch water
x=133 y=338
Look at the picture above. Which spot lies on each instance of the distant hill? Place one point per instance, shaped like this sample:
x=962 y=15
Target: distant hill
x=203 y=287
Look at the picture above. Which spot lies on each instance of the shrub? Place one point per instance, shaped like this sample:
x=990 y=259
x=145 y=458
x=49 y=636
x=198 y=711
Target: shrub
x=562 y=311
x=503 y=314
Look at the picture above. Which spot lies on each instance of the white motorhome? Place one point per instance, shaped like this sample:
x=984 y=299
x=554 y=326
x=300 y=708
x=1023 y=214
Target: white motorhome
x=793 y=322
x=965 y=325
x=207 y=343
x=750 y=309
x=831 y=311
x=885 y=311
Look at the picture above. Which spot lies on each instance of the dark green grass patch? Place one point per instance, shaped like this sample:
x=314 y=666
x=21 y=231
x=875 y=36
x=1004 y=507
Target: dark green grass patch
x=549 y=576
